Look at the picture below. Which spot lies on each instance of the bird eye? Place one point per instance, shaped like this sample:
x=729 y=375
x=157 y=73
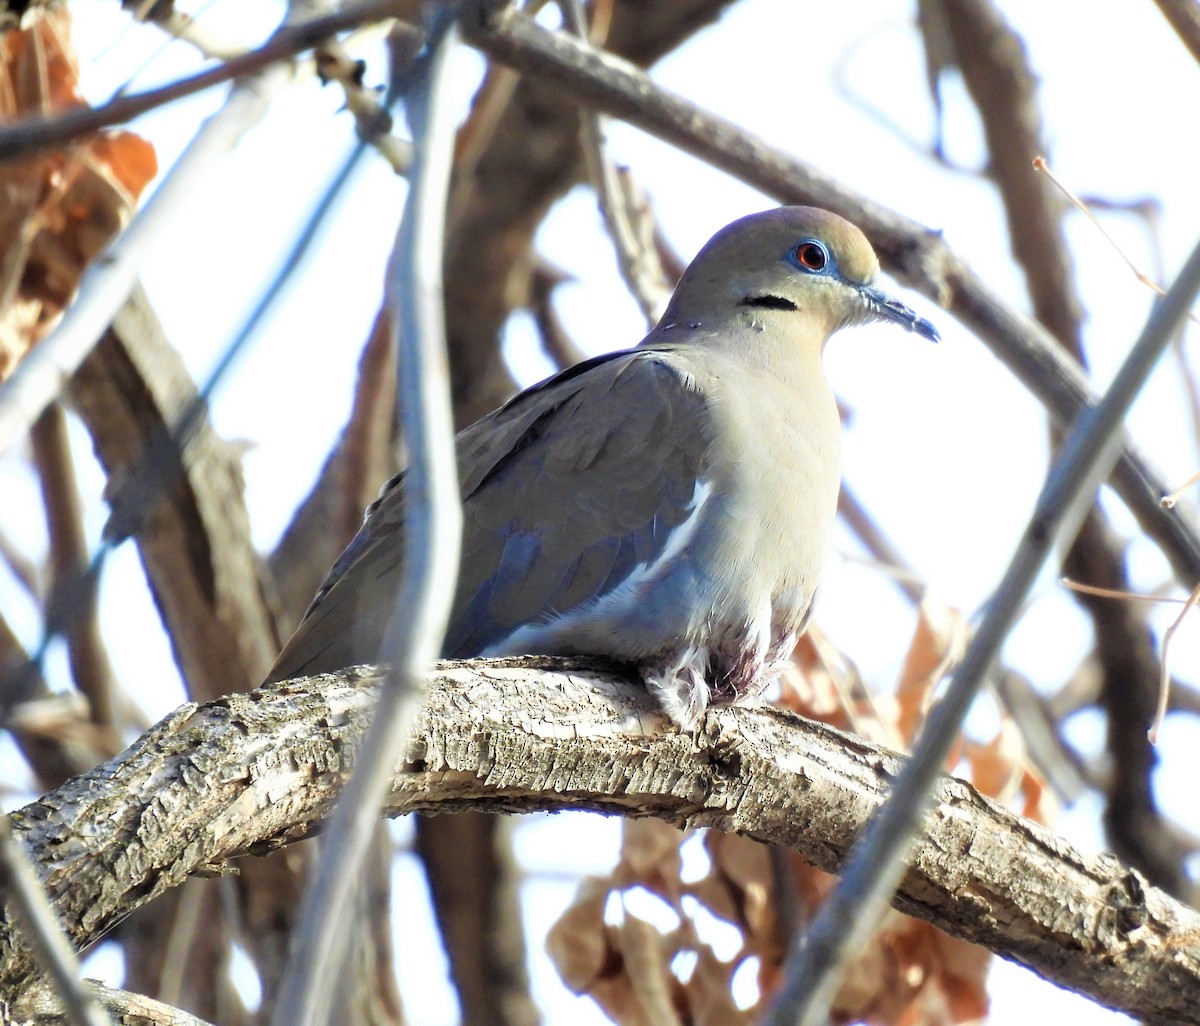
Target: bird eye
x=812 y=256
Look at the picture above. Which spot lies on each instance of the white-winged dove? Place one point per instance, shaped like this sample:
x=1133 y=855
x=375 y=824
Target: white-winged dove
x=669 y=505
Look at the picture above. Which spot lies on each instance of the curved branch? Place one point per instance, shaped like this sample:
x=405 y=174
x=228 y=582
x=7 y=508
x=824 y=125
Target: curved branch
x=249 y=773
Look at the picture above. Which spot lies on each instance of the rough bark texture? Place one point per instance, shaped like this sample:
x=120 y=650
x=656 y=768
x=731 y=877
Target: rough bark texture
x=124 y=1008
x=249 y=773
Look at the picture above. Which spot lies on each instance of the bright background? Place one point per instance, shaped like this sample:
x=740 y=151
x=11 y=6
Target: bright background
x=943 y=445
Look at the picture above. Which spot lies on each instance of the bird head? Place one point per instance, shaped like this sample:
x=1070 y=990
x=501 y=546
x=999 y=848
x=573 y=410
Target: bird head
x=784 y=262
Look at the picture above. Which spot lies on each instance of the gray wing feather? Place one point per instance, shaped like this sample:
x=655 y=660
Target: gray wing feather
x=566 y=490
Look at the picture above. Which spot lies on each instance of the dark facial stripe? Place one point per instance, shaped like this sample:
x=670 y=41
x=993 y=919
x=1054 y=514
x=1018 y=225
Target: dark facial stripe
x=770 y=302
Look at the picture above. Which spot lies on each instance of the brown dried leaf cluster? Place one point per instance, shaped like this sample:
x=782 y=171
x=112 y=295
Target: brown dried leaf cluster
x=911 y=974
x=60 y=207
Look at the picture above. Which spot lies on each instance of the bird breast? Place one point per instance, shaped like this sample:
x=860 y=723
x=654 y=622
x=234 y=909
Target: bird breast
x=774 y=468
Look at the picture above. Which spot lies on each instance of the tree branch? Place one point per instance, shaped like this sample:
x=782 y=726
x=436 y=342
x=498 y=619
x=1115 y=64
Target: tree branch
x=123 y=1007
x=249 y=773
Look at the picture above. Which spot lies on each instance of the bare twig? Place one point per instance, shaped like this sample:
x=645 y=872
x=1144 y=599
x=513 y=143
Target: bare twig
x=556 y=340
x=372 y=119
x=20 y=565
x=878 y=860
x=931 y=33
x=632 y=238
x=431 y=541
x=1164 y=680
x=1168 y=501
x=869 y=533
x=71 y=605
x=1042 y=165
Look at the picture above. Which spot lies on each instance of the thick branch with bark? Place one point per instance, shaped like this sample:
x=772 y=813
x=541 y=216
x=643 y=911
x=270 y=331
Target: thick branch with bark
x=249 y=773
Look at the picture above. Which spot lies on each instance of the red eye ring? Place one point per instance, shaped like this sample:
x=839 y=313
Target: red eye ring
x=811 y=256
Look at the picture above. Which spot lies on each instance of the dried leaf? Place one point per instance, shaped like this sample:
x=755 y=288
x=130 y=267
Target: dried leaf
x=1001 y=770
x=938 y=644
x=60 y=207
x=908 y=975
x=650 y=858
x=996 y=767
x=710 y=992
x=625 y=969
x=911 y=974
x=579 y=943
x=808 y=687
x=739 y=888
x=1040 y=804
x=648 y=957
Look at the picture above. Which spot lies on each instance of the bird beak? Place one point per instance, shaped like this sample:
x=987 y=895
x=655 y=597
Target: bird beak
x=881 y=305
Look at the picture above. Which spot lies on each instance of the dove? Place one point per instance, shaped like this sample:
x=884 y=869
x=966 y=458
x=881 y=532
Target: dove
x=668 y=506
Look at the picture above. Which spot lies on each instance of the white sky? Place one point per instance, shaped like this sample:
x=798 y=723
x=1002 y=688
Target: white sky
x=944 y=446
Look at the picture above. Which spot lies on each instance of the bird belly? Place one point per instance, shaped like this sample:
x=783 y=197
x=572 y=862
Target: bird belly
x=700 y=629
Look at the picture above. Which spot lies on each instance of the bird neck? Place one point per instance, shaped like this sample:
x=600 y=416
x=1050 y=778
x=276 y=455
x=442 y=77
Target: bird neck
x=772 y=343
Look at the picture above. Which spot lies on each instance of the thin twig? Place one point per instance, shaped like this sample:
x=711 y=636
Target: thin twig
x=432 y=530
x=865 y=104
x=556 y=340
x=71 y=602
x=32 y=134
x=1164 y=667
x=1042 y=165
x=879 y=859
x=1112 y=593
x=23 y=568
x=1164 y=671
x=1168 y=501
x=636 y=255
x=372 y=120
x=19 y=884
x=879 y=545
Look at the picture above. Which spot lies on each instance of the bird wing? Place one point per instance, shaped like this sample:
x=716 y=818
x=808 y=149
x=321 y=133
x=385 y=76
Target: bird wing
x=566 y=491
